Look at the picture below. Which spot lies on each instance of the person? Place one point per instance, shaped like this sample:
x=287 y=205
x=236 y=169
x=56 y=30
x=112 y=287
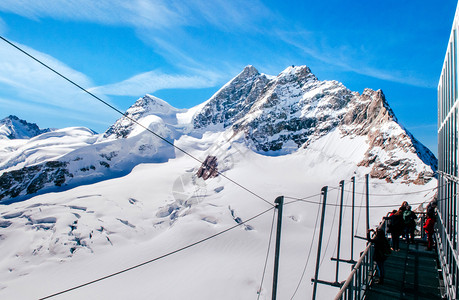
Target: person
x=396 y=228
x=409 y=219
x=388 y=219
x=431 y=207
x=381 y=250
x=429 y=229
x=404 y=206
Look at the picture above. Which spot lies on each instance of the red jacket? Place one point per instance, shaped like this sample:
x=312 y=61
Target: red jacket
x=429 y=225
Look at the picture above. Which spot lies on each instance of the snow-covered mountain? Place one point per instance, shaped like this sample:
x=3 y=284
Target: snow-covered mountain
x=272 y=115
x=14 y=128
x=125 y=196
x=147 y=111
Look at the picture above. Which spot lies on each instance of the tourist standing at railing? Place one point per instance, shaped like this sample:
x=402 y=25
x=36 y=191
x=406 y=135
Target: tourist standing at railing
x=409 y=219
x=404 y=206
x=381 y=250
x=431 y=207
x=396 y=227
x=429 y=229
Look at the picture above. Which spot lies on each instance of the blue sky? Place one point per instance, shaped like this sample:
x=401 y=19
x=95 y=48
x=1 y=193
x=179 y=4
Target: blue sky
x=184 y=51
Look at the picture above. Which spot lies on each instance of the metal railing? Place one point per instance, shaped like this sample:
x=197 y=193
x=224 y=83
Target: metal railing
x=448 y=260
x=360 y=278
x=362 y=274
x=447 y=232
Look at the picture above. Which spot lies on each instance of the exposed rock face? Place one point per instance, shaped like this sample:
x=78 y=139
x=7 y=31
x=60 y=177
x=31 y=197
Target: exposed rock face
x=233 y=101
x=294 y=108
x=14 y=128
x=370 y=115
x=32 y=179
x=281 y=114
x=290 y=108
x=208 y=168
x=366 y=112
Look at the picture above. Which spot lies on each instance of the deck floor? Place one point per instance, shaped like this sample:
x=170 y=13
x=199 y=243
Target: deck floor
x=411 y=273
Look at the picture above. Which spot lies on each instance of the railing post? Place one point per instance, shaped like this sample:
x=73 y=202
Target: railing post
x=319 y=246
x=341 y=184
x=367 y=193
x=279 y=204
x=353 y=211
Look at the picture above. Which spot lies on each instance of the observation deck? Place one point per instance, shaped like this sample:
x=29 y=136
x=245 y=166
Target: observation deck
x=411 y=273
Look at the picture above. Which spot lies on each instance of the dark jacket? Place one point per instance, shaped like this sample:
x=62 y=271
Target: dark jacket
x=396 y=222
x=409 y=218
x=381 y=246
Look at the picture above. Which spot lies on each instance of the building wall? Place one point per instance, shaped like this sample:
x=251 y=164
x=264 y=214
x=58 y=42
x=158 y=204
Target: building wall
x=448 y=105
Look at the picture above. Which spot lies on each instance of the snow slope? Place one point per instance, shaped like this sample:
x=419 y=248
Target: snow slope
x=55 y=241
x=18 y=153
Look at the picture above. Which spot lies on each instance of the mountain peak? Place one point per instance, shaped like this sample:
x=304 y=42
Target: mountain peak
x=249 y=71
x=233 y=100
x=152 y=105
x=296 y=73
x=143 y=107
x=12 y=127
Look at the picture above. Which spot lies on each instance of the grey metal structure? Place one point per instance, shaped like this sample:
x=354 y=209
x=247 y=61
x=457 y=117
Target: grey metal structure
x=319 y=247
x=365 y=265
x=279 y=205
x=360 y=278
x=447 y=221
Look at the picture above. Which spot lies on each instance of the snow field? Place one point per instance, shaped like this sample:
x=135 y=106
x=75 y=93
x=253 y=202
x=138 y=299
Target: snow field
x=59 y=240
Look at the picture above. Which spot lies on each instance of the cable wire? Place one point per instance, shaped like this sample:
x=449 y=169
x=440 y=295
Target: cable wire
x=267 y=255
x=358 y=219
x=296 y=199
x=309 y=253
x=347 y=205
x=157 y=258
x=131 y=119
x=331 y=231
x=397 y=194
x=302 y=199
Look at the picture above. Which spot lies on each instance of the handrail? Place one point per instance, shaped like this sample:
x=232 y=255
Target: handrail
x=353 y=286
x=356 y=276
x=350 y=278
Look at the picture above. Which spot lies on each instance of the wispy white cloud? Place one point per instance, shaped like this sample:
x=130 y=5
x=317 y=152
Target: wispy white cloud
x=31 y=78
x=141 y=13
x=16 y=58
x=152 y=81
x=226 y=15
x=347 y=58
x=27 y=82
x=159 y=23
x=45 y=116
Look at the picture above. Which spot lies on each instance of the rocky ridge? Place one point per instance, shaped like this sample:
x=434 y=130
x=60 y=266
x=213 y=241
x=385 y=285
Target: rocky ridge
x=295 y=108
x=12 y=127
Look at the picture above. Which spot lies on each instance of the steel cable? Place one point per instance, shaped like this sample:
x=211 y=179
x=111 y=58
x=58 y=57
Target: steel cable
x=132 y=120
x=157 y=258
